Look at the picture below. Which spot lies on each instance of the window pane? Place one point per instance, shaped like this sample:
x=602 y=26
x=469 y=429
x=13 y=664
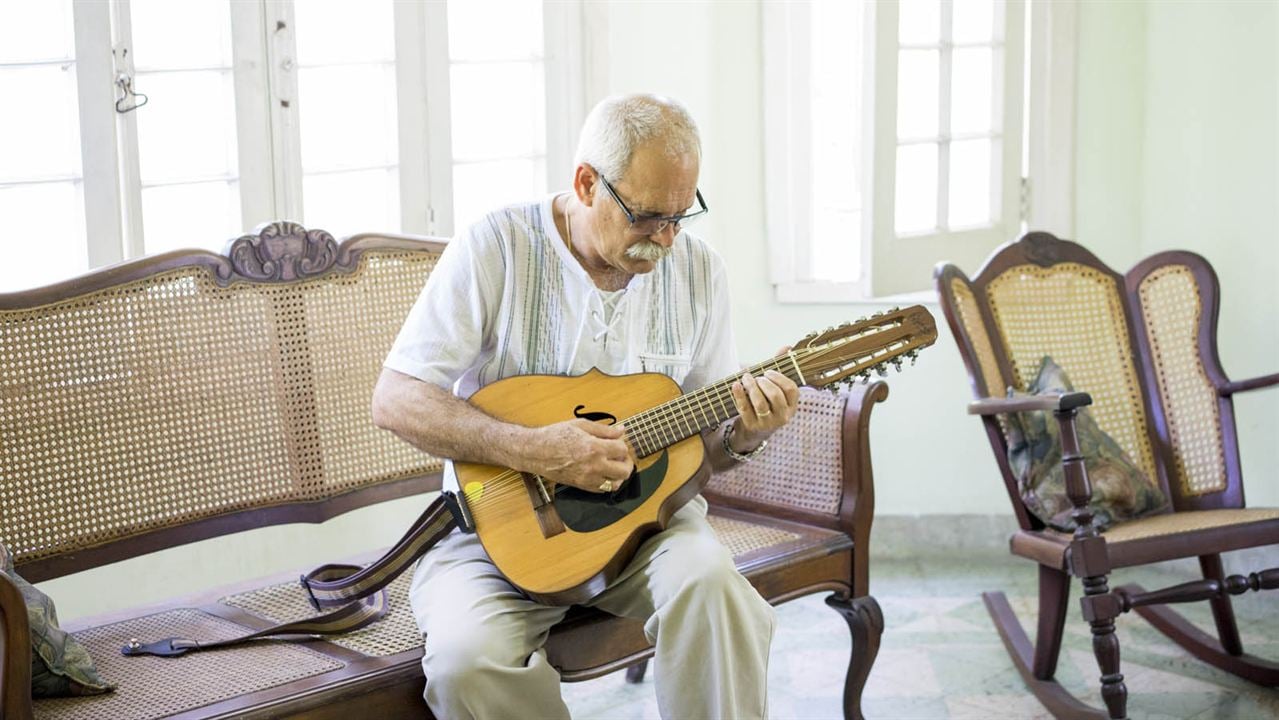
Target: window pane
x=917 y=99
x=187 y=129
x=970 y=162
x=348 y=117
x=36 y=30
x=836 y=195
x=344 y=31
x=170 y=35
x=919 y=21
x=971 y=86
x=41 y=234
x=196 y=215
x=973 y=21
x=481 y=187
x=352 y=202
x=45 y=142
x=474 y=34
x=916 y=188
x=836 y=244
x=499 y=110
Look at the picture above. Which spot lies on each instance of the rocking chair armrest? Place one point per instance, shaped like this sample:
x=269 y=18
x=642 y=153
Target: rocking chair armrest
x=15 y=654
x=1256 y=383
x=1058 y=402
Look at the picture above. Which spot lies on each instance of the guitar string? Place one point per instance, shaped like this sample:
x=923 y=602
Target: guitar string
x=654 y=421
x=640 y=427
x=650 y=423
x=643 y=429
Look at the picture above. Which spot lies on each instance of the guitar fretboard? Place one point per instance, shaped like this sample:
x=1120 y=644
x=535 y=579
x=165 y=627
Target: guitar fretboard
x=691 y=413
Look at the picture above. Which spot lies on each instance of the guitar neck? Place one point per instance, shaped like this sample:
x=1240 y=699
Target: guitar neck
x=691 y=413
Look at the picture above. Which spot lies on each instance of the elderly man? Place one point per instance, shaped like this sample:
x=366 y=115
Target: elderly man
x=602 y=276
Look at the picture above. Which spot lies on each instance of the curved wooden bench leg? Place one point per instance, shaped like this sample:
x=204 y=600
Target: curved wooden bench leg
x=866 y=623
x=635 y=673
x=1055 y=698
x=1204 y=646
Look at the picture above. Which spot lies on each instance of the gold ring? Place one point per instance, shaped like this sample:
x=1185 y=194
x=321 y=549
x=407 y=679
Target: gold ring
x=763 y=414
x=606 y=486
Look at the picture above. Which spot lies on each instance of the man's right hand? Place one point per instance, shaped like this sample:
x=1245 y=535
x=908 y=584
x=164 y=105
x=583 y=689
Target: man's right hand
x=583 y=454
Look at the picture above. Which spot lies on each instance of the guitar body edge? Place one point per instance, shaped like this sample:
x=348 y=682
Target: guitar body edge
x=570 y=566
x=626 y=550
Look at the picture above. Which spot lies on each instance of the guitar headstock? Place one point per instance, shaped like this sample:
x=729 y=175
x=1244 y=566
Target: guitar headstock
x=854 y=350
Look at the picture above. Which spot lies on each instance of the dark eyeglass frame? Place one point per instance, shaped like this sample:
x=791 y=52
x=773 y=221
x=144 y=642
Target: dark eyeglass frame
x=653 y=224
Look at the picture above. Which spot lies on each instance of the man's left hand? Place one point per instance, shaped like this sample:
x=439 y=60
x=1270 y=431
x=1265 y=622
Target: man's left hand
x=764 y=404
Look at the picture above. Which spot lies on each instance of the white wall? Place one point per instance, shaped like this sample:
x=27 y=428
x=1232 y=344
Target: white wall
x=1177 y=125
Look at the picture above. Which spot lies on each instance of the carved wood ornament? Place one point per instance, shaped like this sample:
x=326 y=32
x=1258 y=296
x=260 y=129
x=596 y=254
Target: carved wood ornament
x=282 y=251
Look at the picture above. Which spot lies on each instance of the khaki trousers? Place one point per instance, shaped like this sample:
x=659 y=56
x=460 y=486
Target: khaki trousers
x=484 y=638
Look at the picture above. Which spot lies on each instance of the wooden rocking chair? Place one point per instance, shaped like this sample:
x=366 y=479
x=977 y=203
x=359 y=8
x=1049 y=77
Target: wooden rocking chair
x=1141 y=349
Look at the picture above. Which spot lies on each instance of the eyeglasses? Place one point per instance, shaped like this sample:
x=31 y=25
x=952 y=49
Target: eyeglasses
x=653 y=224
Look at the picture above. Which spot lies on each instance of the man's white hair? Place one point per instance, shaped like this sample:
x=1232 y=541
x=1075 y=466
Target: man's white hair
x=621 y=123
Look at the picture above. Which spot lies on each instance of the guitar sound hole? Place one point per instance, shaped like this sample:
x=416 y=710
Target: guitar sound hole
x=584 y=511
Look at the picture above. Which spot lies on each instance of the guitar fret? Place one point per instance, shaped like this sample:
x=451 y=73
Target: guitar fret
x=683 y=417
x=706 y=425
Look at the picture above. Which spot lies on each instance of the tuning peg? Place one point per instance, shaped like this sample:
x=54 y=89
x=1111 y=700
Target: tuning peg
x=880 y=370
x=897 y=364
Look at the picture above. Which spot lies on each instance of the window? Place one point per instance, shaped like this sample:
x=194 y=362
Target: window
x=497 y=76
x=41 y=182
x=345 y=115
x=185 y=137
x=347 y=101
x=893 y=140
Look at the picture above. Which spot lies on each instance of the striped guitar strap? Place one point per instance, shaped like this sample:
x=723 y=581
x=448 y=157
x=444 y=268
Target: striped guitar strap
x=358 y=594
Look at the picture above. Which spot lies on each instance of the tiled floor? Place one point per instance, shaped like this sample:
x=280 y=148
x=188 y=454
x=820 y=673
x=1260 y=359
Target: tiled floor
x=941 y=657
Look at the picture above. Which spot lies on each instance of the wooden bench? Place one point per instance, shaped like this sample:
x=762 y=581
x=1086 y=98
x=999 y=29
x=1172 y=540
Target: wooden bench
x=192 y=395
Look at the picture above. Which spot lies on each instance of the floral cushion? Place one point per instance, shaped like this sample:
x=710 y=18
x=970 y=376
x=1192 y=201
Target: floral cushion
x=1120 y=490
x=60 y=665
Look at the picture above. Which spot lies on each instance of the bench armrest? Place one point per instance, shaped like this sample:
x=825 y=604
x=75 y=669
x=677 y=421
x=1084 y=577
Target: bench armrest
x=15 y=654
x=1059 y=402
x=817 y=469
x=1256 y=383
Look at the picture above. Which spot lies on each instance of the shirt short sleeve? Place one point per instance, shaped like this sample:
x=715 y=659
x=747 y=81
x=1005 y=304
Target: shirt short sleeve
x=444 y=333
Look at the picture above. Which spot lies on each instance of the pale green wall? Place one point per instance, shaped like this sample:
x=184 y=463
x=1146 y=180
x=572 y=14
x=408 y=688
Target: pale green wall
x=1210 y=184
x=1110 y=117
x=1176 y=147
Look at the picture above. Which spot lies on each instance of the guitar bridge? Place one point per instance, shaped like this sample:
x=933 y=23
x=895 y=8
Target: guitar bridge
x=548 y=518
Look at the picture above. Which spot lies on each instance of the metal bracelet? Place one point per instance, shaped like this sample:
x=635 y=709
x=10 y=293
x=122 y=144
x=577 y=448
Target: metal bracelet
x=740 y=457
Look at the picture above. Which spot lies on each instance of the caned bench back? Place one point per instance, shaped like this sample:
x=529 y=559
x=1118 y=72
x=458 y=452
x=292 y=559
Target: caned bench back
x=189 y=395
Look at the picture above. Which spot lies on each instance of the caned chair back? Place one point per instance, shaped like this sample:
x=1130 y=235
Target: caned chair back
x=1141 y=345
x=199 y=390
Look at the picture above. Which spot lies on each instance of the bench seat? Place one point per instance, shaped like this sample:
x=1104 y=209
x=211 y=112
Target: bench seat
x=270 y=678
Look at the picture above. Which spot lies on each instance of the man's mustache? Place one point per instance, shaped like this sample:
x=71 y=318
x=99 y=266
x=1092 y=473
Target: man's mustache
x=647 y=250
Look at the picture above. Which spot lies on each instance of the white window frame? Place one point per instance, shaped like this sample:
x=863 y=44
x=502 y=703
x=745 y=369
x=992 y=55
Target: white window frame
x=893 y=266
x=267 y=115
